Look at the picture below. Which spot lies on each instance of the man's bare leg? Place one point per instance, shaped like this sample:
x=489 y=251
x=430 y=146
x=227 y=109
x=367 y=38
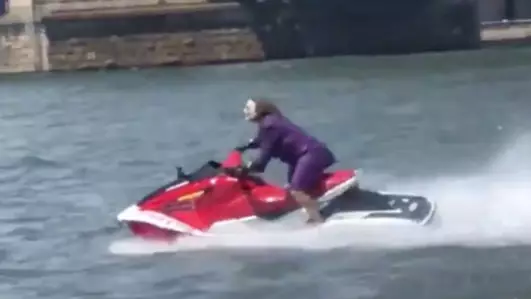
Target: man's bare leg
x=309 y=205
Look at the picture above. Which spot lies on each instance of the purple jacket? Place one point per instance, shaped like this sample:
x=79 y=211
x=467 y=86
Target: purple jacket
x=279 y=138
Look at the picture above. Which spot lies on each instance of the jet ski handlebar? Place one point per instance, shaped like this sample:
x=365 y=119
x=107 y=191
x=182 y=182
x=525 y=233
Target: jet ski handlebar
x=237 y=171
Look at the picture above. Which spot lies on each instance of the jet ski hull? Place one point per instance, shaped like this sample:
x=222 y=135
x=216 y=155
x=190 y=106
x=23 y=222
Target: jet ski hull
x=356 y=207
x=209 y=200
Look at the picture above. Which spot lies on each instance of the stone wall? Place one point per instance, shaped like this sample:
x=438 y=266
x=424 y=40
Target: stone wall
x=82 y=9
x=19 y=12
x=17 y=49
x=146 y=50
x=92 y=34
x=146 y=34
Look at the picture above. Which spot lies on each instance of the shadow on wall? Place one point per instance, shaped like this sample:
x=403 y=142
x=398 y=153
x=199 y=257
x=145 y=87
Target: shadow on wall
x=304 y=28
x=498 y=10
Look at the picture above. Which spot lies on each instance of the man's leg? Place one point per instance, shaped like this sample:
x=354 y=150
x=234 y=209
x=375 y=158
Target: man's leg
x=310 y=205
x=306 y=176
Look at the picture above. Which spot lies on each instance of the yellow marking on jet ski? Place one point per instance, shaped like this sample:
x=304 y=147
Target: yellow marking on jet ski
x=191 y=196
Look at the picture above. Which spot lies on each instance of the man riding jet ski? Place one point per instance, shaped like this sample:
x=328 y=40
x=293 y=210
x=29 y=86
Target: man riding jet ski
x=222 y=194
x=278 y=137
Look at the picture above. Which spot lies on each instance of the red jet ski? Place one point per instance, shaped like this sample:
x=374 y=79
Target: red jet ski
x=217 y=195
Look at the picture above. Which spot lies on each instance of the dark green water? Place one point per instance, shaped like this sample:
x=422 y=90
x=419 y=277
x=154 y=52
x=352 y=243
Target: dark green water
x=77 y=148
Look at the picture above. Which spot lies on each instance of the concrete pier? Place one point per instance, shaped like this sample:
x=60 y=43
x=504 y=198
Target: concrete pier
x=506 y=33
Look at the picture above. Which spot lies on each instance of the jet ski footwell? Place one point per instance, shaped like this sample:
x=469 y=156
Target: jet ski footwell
x=361 y=208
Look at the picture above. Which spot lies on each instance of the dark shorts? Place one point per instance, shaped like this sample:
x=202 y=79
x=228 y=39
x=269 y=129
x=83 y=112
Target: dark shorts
x=306 y=174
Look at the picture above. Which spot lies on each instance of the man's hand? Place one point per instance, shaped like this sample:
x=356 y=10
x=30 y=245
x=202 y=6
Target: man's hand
x=242 y=148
